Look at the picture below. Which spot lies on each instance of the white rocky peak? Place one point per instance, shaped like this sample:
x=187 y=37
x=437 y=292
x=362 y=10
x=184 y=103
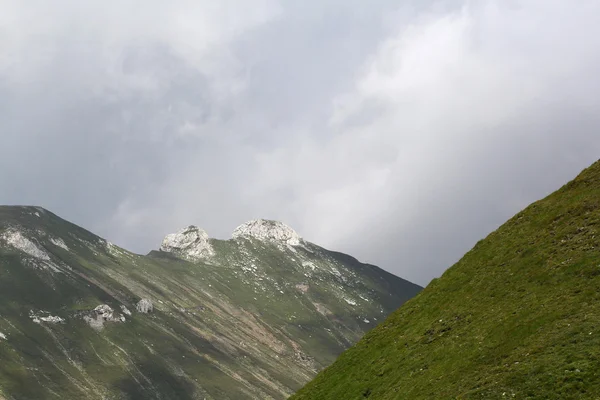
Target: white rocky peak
x=191 y=242
x=264 y=229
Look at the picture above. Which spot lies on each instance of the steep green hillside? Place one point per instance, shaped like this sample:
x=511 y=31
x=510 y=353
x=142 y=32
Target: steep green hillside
x=254 y=317
x=517 y=317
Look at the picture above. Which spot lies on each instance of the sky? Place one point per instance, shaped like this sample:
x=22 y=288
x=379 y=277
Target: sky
x=400 y=132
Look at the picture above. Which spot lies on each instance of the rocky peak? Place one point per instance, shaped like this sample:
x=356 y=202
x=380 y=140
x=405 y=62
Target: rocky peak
x=263 y=229
x=191 y=243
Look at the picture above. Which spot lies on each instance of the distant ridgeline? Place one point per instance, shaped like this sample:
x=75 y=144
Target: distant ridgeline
x=518 y=317
x=253 y=317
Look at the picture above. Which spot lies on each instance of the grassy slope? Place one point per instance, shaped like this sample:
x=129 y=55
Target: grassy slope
x=517 y=317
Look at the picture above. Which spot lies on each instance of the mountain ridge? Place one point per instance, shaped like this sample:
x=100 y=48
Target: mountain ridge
x=81 y=316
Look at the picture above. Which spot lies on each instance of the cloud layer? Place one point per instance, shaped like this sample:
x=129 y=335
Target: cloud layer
x=400 y=135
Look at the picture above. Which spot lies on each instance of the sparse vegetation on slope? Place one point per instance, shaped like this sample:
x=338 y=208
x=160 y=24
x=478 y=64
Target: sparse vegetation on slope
x=517 y=317
x=81 y=318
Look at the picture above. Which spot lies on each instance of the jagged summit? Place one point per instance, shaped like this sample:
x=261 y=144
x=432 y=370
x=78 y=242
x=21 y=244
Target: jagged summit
x=264 y=229
x=191 y=242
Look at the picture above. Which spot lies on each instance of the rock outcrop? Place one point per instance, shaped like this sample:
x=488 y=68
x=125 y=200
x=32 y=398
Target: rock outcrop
x=144 y=306
x=101 y=314
x=19 y=241
x=268 y=230
x=44 y=316
x=191 y=243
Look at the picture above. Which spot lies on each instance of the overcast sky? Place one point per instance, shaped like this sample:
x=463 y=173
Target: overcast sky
x=400 y=132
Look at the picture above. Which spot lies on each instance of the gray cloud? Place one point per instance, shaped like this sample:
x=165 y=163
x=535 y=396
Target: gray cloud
x=398 y=134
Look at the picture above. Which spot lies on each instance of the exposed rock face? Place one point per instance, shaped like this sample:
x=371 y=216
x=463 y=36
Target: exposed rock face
x=191 y=243
x=101 y=314
x=104 y=311
x=60 y=243
x=144 y=306
x=263 y=229
x=17 y=240
x=44 y=316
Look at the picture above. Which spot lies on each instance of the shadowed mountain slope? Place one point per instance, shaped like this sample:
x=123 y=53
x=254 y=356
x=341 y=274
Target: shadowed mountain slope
x=254 y=317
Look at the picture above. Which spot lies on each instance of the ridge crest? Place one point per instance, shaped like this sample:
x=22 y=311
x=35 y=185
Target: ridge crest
x=268 y=230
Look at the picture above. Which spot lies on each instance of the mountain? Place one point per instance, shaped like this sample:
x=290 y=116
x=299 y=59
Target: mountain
x=517 y=317
x=253 y=317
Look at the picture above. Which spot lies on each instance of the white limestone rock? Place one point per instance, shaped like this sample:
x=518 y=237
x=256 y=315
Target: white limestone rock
x=268 y=230
x=37 y=258
x=100 y=315
x=52 y=319
x=2 y=336
x=191 y=243
x=350 y=301
x=104 y=311
x=44 y=316
x=60 y=243
x=144 y=306
x=18 y=240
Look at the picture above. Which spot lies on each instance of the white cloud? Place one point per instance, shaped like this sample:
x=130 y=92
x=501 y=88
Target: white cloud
x=400 y=135
x=113 y=45
x=444 y=108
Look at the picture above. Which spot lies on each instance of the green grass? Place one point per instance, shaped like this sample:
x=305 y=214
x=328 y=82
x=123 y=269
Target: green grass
x=517 y=317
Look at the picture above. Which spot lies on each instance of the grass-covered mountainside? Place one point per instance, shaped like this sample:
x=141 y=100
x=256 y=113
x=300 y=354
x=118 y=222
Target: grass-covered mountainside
x=517 y=317
x=254 y=317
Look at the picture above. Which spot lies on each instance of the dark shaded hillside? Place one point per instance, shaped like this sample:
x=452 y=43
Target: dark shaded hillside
x=517 y=317
x=254 y=317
